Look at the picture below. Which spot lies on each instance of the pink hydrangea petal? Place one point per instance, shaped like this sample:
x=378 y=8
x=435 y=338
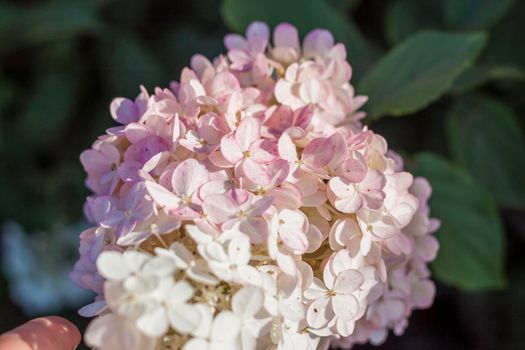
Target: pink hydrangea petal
x=247 y=132
x=258 y=30
x=256 y=228
x=286 y=35
x=255 y=172
x=219 y=208
x=162 y=196
x=124 y=110
x=263 y=151
x=234 y=41
x=423 y=293
x=317 y=42
x=318 y=153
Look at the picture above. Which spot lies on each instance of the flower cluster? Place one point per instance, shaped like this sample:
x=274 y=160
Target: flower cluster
x=246 y=207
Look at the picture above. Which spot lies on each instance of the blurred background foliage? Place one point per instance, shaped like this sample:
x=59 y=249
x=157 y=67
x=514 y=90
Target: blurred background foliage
x=446 y=86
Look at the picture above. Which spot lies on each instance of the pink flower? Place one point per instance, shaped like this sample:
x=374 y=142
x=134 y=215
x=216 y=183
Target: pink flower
x=206 y=137
x=287 y=48
x=101 y=164
x=349 y=197
x=245 y=149
x=242 y=52
x=283 y=119
x=324 y=156
x=126 y=111
x=85 y=272
x=134 y=207
x=239 y=207
x=182 y=202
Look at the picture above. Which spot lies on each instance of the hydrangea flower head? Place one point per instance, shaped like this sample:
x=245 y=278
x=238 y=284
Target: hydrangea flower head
x=246 y=207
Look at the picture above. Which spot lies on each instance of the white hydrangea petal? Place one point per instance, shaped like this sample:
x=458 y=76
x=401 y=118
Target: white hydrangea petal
x=181 y=292
x=247 y=301
x=239 y=250
x=225 y=327
x=200 y=273
x=318 y=313
x=160 y=266
x=98 y=328
x=135 y=259
x=196 y=344
x=315 y=290
x=291 y=310
x=345 y=306
x=345 y=327
x=348 y=281
x=112 y=265
x=185 y=318
x=182 y=255
x=153 y=323
x=198 y=236
x=248 y=275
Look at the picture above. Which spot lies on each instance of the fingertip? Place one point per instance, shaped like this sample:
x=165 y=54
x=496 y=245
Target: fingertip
x=66 y=329
x=44 y=333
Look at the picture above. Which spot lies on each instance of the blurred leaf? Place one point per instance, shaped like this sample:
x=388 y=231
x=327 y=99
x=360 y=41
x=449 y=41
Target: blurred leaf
x=471 y=237
x=305 y=15
x=345 y=5
x=506 y=45
x=418 y=71
x=483 y=73
x=405 y=17
x=127 y=64
x=181 y=43
x=130 y=14
x=486 y=138
x=50 y=21
x=47 y=110
x=206 y=10
x=475 y=14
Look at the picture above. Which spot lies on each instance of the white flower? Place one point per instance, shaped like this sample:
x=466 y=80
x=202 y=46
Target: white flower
x=221 y=332
x=246 y=304
x=113 y=332
x=375 y=226
x=227 y=255
x=137 y=286
x=340 y=298
x=283 y=300
x=183 y=317
x=196 y=269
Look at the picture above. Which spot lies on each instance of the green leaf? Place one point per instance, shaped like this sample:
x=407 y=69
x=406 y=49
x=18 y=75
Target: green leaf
x=48 y=22
x=405 y=17
x=506 y=45
x=305 y=15
x=475 y=14
x=418 y=71
x=486 y=138
x=127 y=64
x=481 y=74
x=345 y=5
x=471 y=251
